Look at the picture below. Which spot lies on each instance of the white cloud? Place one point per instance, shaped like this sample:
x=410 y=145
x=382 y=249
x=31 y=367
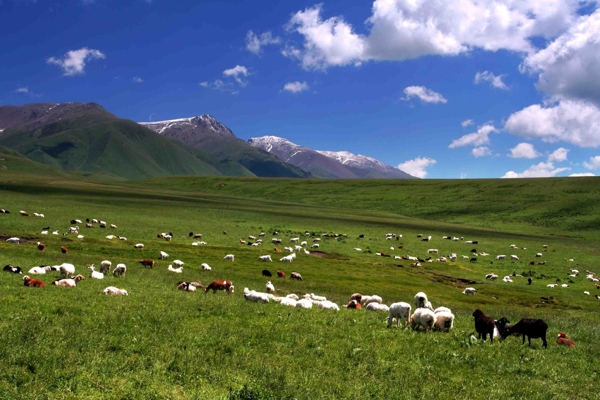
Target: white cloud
x=137 y=79
x=237 y=72
x=23 y=89
x=524 y=150
x=571 y=121
x=295 y=87
x=593 y=164
x=583 y=174
x=541 y=170
x=476 y=138
x=406 y=29
x=426 y=95
x=463 y=175
x=220 y=85
x=467 y=122
x=417 y=166
x=254 y=43
x=205 y=84
x=558 y=155
x=73 y=62
x=494 y=80
x=481 y=152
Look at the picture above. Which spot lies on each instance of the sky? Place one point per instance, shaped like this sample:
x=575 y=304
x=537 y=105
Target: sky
x=441 y=89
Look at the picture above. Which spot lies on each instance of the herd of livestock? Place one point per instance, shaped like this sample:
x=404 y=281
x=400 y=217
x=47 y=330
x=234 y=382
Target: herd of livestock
x=424 y=315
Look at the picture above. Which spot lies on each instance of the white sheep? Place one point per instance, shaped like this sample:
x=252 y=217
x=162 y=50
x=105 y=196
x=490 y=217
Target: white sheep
x=287 y=258
x=491 y=277
x=120 y=270
x=377 y=307
x=586 y=293
x=328 y=305
x=514 y=257
x=538 y=254
x=365 y=300
x=105 y=267
x=287 y=301
x=175 y=270
x=115 y=291
x=229 y=257
x=357 y=249
x=444 y=321
x=442 y=309
x=55 y=232
x=501 y=257
x=113 y=226
x=470 y=291
x=95 y=274
x=292 y=296
x=178 y=263
x=294 y=240
x=507 y=279
x=256 y=297
x=315 y=246
x=421 y=301
x=306 y=251
x=163 y=255
x=304 y=303
x=423 y=317
x=80 y=236
x=168 y=238
x=265 y=258
x=564 y=285
x=552 y=285
x=38 y=270
x=206 y=267
x=124 y=238
x=138 y=246
x=66 y=270
x=314 y=297
x=111 y=237
x=44 y=232
x=401 y=312
x=269 y=287
x=13 y=240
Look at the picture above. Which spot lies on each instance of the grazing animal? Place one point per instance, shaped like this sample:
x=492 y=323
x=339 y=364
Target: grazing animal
x=120 y=270
x=401 y=312
x=251 y=295
x=163 y=256
x=175 y=270
x=139 y=246
x=41 y=246
x=484 y=325
x=115 y=291
x=444 y=321
x=366 y=300
x=64 y=250
x=470 y=291
x=473 y=259
x=295 y=275
x=564 y=341
x=13 y=270
x=105 y=267
x=229 y=257
x=421 y=301
x=265 y=258
x=377 y=307
x=266 y=272
x=227 y=286
x=66 y=270
x=491 y=276
x=206 y=267
x=13 y=240
x=27 y=281
x=356 y=296
x=328 y=305
x=532 y=328
x=24 y=214
x=281 y=274
x=354 y=304
x=147 y=263
x=422 y=317
x=95 y=274
x=269 y=287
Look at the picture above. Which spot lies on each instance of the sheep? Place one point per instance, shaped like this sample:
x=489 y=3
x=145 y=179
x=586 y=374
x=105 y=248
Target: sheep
x=422 y=317
x=354 y=304
x=24 y=213
x=552 y=285
x=501 y=257
x=95 y=274
x=105 y=266
x=66 y=270
x=178 y=263
x=294 y=240
x=265 y=258
x=13 y=240
x=44 y=232
x=514 y=257
x=281 y=274
x=401 y=312
x=304 y=303
x=225 y=285
x=287 y=258
x=255 y=296
x=206 y=267
x=229 y=257
x=377 y=307
x=484 y=325
x=491 y=276
x=269 y=287
x=113 y=226
x=470 y=291
x=68 y=282
x=564 y=285
x=444 y=321
x=421 y=301
x=586 y=293
x=532 y=328
x=287 y=301
x=55 y=232
x=175 y=270
x=147 y=263
x=163 y=255
x=507 y=279
x=315 y=246
x=441 y=310
x=538 y=254
x=115 y=291
x=365 y=300
x=27 y=281
x=564 y=341
x=120 y=270
x=431 y=251
x=111 y=237
x=328 y=305
x=13 y=270
x=138 y=246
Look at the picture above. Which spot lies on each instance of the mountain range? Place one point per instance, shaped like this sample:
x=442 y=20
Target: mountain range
x=86 y=138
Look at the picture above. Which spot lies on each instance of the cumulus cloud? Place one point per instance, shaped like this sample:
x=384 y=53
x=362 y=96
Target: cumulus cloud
x=417 y=166
x=558 y=155
x=137 y=79
x=74 y=61
x=476 y=138
x=524 y=150
x=593 y=164
x=295 y=87
x=494 y=80
x=426 y=95
x=571 y=121
x=582 y=174
x=481 y=152
x=407 y=29
x=255 y=43
x=541 y=170
x=467 y=122
x=238 y=73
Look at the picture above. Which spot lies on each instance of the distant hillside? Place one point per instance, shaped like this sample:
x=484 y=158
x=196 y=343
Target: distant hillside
x=327 y=164
x=85 y=137
x=204 y=132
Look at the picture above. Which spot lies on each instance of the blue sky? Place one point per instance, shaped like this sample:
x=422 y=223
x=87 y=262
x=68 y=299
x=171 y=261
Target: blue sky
x=501 y=88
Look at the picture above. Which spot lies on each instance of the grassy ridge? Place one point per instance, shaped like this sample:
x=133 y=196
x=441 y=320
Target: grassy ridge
x=562 y=206
x=161 y=343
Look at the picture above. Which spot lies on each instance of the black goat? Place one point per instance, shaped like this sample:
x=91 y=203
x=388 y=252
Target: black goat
x=532 y=328
x=484 y=325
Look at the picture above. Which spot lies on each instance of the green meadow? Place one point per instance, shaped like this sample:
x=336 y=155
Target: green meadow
x=161 y=343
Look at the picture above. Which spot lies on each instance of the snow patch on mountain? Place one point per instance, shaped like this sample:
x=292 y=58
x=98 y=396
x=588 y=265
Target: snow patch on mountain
x=353 y=160
x=204 y=120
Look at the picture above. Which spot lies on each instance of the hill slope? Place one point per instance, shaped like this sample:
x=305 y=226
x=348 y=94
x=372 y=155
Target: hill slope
x=85 y=137
x=206 y=133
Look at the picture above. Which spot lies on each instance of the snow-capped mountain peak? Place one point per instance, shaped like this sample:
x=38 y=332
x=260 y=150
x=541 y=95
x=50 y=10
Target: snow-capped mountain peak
x=351 y=159
x=201 y=121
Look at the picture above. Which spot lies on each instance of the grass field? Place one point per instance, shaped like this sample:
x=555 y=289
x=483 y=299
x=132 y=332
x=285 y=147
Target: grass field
x=162 y=343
